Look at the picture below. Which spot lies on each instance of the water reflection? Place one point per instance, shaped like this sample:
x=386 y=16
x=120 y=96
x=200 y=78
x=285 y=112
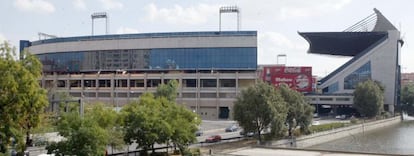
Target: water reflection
x=396 y=139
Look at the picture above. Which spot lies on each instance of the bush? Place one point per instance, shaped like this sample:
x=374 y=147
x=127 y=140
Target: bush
x=296 y=132
x=192 y=152
x=326 y=127
x=354 y=120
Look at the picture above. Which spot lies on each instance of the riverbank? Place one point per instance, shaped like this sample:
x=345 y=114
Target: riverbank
x=330 y=135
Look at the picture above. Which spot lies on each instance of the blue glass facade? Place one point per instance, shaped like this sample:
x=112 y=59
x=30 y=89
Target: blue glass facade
x=363 y=73
x=331 y=88
x=152 y=59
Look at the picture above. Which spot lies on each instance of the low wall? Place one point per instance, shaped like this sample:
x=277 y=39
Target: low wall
x=326 y=136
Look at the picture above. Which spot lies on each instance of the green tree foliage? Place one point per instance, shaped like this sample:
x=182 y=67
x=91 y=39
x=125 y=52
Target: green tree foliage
x=300 y=112
x=184 y=123
x=83 y=136
x=369 y=98
x=144 y=122
x=158 y=119
x=168 y=90
x=407 y=94
x=88 y=135
x=22 y=100
x=260 y=107
x=108 y=119
x=407 y=98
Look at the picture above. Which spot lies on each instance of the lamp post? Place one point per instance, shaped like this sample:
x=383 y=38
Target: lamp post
x=117 y=85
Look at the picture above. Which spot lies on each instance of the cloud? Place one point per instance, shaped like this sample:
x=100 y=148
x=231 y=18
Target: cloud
x=126 y=30
x=181 y=15
x=39 y=6
x=273 y=43
x=296 y=9
x=79 y=4
x=111 y=4
x=2 y=38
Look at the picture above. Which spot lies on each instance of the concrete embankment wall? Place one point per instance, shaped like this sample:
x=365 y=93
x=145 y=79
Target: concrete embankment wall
x=326 y=136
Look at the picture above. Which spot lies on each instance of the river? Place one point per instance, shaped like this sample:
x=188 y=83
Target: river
x=397 y=139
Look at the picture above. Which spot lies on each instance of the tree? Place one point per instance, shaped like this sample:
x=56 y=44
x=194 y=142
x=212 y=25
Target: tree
x=300 y=112
x=168 y=90
x=83 y=136
x=184 y=123
x=90 y=134
x=143 y=122
x=108 y=119
x=368 y=98
x=260 y=107
x=407 y=99
x=22 y=101
x=158 y=119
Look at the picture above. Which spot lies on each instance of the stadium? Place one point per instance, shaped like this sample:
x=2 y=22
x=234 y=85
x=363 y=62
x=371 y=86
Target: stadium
x=373 y=45
x=211 y=67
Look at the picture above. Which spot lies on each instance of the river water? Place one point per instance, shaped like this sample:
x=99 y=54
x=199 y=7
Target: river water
x=397 y=139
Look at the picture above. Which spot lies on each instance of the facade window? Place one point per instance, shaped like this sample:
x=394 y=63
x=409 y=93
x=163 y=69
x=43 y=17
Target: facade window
x=208 y=95
x=363 y=73
x=121 y=83
x=89 y=83
x=75 y=94
x=325 y=99
x=134 y=95
x=208 y=83
x=227 y=95
x=227 y=82
x=136 y=83
x=343 y=99
x=189 y=95
x=75 y=83
x=192 y=83
x=61 y=83
x=104 y=95
x=153 y=82
x=104 y=83
x=165 y=58
x=331 y=88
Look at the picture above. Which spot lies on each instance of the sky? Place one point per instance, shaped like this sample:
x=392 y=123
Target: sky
x=276 y=21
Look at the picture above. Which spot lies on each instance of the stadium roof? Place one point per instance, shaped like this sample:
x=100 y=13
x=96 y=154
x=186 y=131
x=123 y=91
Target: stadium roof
x=341 y=43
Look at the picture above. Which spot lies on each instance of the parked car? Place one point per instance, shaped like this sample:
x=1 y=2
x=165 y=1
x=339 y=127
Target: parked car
x=341 y=117
x=232 y=128
x=213 y=138
x=248 y=134
x=199 y=133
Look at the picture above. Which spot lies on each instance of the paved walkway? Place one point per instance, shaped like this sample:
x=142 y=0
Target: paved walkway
x=292 y=152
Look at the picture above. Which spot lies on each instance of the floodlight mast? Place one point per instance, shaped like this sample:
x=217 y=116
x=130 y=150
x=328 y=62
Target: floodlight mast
x=230 y=9
x=45 y=36
x=100 y=15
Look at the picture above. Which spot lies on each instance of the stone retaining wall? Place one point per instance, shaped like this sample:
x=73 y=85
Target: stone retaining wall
x=326 y=136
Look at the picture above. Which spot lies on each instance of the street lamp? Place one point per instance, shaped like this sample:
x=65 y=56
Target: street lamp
x=117 y=85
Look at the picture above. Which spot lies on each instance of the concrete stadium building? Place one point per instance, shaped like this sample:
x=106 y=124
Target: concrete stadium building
x=374 y=45
x=211 y=67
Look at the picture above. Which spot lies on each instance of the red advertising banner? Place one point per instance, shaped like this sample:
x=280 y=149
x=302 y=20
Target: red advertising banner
x=298 y=78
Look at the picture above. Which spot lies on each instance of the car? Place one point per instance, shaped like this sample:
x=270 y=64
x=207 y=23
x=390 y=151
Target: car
x=199 y=133
x=248 y=134
x=232 y=128
x=213 y=138
x=316 y=123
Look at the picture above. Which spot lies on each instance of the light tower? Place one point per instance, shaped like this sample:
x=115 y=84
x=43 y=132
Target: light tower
x=230 y=9
x=100 y=15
